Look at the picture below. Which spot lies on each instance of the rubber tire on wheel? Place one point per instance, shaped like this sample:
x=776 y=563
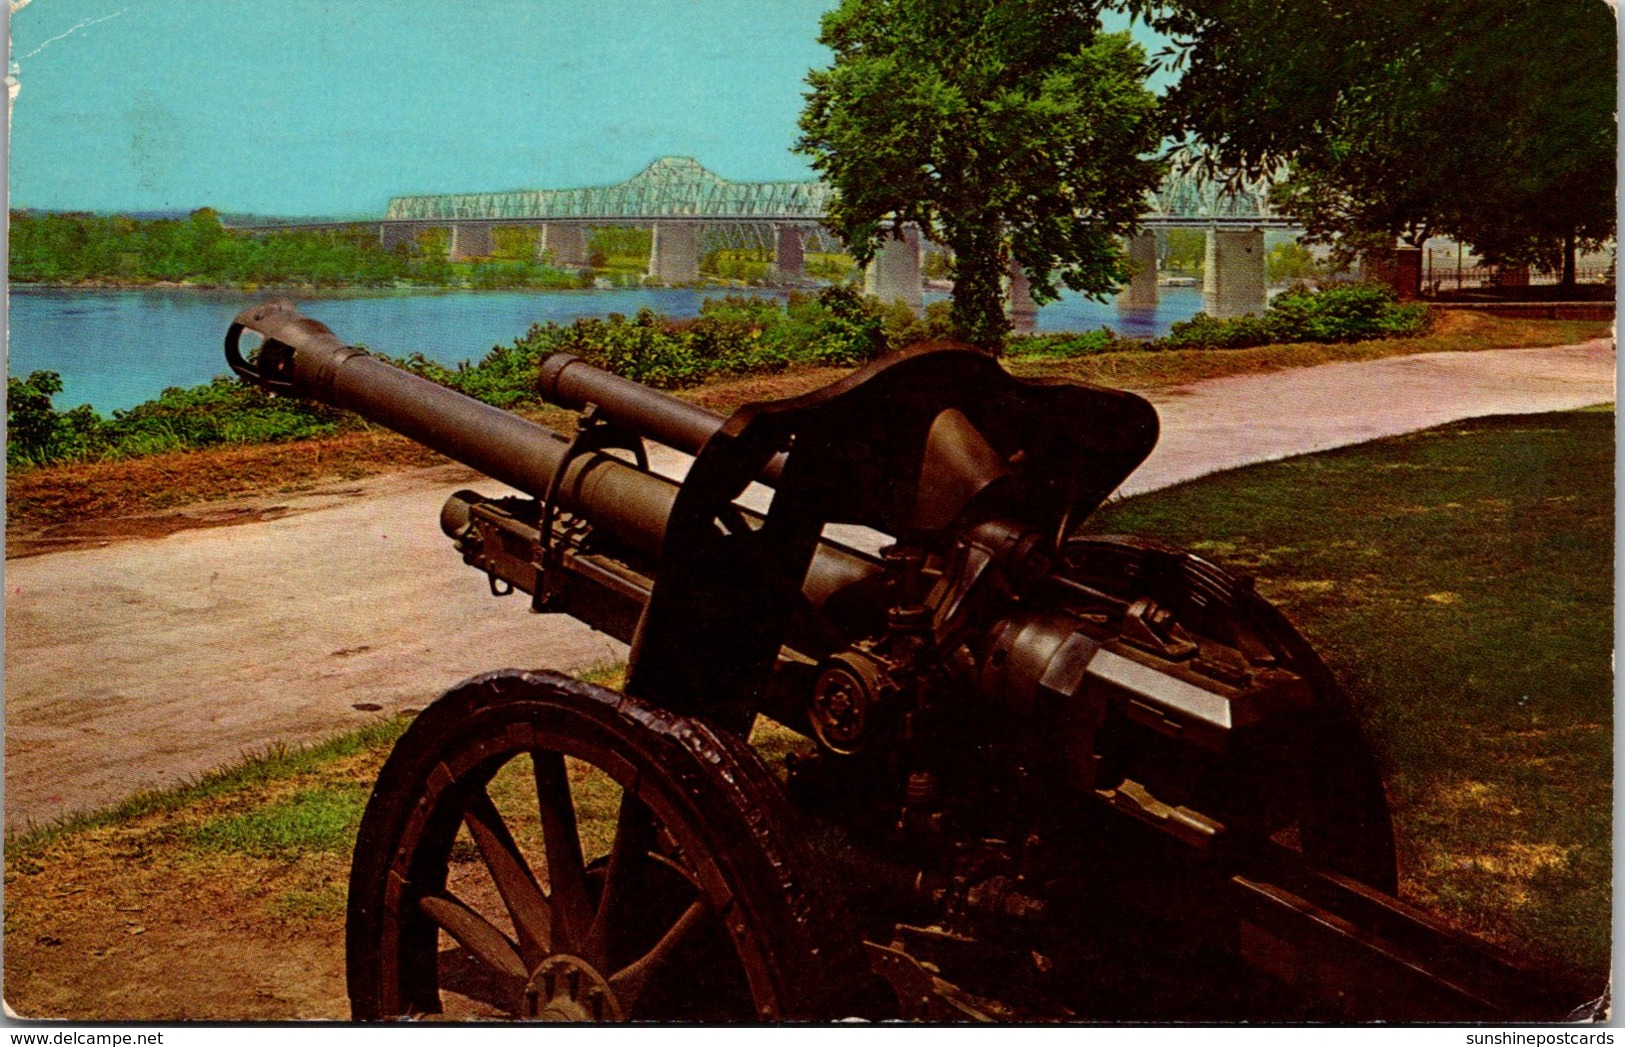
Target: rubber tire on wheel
x=762 y=937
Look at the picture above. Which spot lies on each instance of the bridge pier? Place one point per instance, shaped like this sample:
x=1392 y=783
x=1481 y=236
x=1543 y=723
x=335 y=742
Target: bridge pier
x=393 y=234
x=1141 y=292
x=1022 y=309
x=1233 y=282
x=471 y=240
x=789 y=254
x=561 y=245
x=894 y=272
x=674 y=254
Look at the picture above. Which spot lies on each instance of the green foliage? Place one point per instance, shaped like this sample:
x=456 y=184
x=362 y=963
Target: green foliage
x=751 y=267
x=81 y=248
x=1339 y=313
x=1409 y=118
x=1187 y=251
x=1004 y=129
x=731 y=336
x=223 y=411
x=620 y=247
x=514 y=242
x=31 y=422
x=36 y=432
x=494 y=275
x=833 y=268
x=903 y=328
x=1070 y=344
x=1291 y=261
x=734 y=335
x=937 y=265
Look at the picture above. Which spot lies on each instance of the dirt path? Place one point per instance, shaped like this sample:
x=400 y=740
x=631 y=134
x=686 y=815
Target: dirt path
x=147 y=661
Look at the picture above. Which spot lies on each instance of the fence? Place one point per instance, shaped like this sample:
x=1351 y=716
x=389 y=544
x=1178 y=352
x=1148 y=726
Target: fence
x=1443 y=271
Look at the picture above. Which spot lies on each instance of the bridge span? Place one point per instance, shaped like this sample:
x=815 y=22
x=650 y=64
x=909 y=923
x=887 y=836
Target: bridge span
x=689 y=209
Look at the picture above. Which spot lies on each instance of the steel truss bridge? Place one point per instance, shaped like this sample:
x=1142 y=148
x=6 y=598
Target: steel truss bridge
x=680 y=191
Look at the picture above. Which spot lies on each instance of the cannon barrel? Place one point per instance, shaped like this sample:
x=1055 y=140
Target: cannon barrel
x=571 y=382
x=302 y=357
x=568 y=381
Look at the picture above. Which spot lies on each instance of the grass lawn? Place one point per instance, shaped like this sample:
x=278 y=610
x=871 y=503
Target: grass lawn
x=1459 y=582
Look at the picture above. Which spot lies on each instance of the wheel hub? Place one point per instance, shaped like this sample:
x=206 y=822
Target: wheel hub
x=567 y=988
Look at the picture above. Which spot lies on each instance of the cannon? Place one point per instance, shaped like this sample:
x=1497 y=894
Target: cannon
x=1040 y=773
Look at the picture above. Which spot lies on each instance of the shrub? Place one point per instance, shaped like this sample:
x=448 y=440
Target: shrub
x=1206 y=332
x=1065 y=346
x=220 y=412
x=223 y=411
x=1342 y=312
x=31 y=421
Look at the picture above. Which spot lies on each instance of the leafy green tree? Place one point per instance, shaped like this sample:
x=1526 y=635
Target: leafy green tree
x=1291 y=261
x=1492 y=122
x=1187 y=251
x=1005 y=129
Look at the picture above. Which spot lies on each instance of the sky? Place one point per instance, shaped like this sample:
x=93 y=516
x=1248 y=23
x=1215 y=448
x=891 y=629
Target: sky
x=330 y=107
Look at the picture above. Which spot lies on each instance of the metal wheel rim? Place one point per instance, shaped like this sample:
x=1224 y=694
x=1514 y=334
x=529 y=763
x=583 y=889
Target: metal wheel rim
x=464 y=777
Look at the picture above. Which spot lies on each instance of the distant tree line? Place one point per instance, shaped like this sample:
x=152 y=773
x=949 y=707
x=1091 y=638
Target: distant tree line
x=77 y=248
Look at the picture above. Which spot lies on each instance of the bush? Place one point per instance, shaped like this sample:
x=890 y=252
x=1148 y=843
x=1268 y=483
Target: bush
x=1340 y=313
x=1065 y=346
x=220 y=412
x=224 y=411
x=1206 y=332
x=31 y=421
x=733 y=335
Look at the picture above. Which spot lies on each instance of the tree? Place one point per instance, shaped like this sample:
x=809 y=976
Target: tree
x=1492 y=122
x=1004 y=129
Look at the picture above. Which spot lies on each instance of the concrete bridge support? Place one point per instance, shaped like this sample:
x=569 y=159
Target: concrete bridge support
x=894 y=273
x=789 y=254
x=391 y=235
x=674 y=255
x=1023 y=310
x=563 y=245
x=1233 y=282
x=1141 y=292
x=471 y=240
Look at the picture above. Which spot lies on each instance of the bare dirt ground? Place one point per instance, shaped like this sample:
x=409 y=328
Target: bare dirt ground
x=161 y=647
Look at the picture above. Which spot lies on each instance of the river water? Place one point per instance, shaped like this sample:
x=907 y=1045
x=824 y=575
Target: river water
x=115 y=349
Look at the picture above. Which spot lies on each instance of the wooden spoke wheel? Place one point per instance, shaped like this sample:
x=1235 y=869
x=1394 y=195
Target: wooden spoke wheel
x=539 y=848
x=1317 y=780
